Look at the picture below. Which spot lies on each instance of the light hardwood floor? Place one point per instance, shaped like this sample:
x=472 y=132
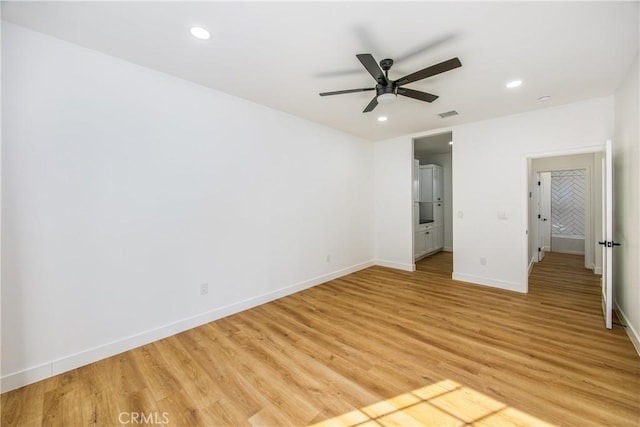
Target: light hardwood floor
x=378 y=347
x=440 y=263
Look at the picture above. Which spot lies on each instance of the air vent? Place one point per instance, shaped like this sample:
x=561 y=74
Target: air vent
x=448 y=114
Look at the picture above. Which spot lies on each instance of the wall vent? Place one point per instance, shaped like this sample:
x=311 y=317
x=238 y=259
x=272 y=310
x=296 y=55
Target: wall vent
x=448 y=114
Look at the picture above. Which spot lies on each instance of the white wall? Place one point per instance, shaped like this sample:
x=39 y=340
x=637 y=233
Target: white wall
x=489 y=177
x=393 y=206
x=444 y=160
x=627 y=203
x=124 y=189
x=590 y=162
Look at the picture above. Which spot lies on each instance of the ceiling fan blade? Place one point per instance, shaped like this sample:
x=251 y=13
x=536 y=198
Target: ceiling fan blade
x=425 y=47
x=373 y=104
x=430 y=71
x=416 y=94
x=340 y=92
x=372 y=67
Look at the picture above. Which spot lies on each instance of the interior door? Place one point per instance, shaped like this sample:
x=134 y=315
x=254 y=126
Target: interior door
x=544 y=214
x=607 y=241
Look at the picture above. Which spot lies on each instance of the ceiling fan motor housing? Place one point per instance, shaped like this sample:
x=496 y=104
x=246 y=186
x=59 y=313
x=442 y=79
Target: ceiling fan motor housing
x=386 y=64
x=390 y=88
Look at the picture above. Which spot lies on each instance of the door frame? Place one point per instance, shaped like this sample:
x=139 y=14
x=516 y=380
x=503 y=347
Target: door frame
x=589 y=220
x=527 y=194
x=427 y=134
x=541 y=241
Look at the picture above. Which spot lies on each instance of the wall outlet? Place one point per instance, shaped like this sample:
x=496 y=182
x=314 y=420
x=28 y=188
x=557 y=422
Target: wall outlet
x=204 y=289
x=483 y=261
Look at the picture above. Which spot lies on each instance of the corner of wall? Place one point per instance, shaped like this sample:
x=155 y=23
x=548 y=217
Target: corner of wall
x=633 y=335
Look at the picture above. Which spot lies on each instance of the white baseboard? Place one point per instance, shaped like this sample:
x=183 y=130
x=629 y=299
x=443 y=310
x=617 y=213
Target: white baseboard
x=396 y=265
x=631 y=332
x=447 y=249
x=33 y=374
x=568 y=252
x=531 y=262
x=486 y=281
x=597 y=270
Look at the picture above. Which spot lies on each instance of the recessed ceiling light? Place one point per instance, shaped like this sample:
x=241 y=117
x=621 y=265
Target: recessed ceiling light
x=544 y=98
x=514 y=83
x=200 y=33
x=382 y=118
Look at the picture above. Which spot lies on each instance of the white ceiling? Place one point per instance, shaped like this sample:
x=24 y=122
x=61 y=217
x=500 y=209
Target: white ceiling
x=283 y=54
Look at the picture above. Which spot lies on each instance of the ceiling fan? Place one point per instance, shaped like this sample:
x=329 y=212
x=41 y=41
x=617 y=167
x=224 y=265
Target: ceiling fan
x=387 y=90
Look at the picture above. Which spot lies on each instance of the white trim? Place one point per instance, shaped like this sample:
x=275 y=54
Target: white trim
x=632 y=333
x=531 y=262
x=525 y=230
x=396 y=265
x=570 y=253
x=569 y=152
x=26 y=376
x=486 y=281
x=597 y=270
x=447 y=249
x=30 y=375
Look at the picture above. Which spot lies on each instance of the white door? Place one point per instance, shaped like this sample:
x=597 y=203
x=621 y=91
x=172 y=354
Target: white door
x=437 y=184
x=416 y=181
x=426 y=183
x=438 y=213
x=544 y=214
x=430 y=240
x=607 y=241
x=438 y=237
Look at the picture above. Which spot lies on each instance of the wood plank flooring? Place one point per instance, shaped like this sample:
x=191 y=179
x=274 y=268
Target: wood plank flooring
x=440 y=263
x=377 y=347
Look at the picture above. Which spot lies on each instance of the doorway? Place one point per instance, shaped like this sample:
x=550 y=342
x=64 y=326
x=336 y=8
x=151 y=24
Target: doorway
x=565 y=207
x=594 y=168
x=432 y=199
x=563 y=212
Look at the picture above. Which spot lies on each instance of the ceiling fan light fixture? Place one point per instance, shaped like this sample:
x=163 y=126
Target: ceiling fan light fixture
x=385 y=98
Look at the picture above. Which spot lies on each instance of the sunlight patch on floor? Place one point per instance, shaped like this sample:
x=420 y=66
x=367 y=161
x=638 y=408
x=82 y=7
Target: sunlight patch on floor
x=445 y=403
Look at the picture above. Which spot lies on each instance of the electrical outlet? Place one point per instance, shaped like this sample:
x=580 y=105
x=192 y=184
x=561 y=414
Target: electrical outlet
x=204 y=289
x=483 y=261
